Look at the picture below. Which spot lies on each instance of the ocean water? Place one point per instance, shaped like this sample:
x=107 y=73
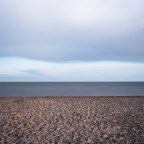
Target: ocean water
x=18 y=89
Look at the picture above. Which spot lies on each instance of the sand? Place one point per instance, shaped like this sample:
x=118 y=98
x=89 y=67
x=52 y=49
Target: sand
x=72 y=120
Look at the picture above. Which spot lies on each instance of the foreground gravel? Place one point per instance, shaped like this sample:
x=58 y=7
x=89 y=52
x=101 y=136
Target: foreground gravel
x=67 y=120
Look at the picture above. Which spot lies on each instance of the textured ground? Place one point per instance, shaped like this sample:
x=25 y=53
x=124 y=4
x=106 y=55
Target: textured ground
x=77 y=120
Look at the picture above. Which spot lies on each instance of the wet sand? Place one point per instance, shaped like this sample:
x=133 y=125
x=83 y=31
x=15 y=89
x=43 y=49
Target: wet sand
x=77 y=120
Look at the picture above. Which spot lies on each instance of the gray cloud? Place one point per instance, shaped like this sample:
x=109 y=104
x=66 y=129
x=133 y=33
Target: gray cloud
x=77 y=49
x=49 y=33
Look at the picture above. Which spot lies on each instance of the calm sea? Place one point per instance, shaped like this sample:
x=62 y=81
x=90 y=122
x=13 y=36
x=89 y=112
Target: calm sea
x=18 y=89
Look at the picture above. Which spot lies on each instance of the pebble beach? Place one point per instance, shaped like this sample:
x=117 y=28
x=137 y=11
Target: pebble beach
x=72 y=120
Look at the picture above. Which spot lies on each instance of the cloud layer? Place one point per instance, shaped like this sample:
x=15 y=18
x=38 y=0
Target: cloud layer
x=63 y=31
x=18 y=69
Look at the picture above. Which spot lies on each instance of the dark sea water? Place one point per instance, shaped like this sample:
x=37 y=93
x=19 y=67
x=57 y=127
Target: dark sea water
x=27 y=89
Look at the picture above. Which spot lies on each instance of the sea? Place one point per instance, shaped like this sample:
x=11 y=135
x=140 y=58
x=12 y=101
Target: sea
x=37 y=89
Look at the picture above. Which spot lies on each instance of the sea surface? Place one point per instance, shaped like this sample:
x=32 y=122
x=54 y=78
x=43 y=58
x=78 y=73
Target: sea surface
x=27 y=89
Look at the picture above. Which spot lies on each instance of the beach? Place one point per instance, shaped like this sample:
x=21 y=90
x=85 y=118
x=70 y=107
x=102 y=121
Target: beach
x=72 y=120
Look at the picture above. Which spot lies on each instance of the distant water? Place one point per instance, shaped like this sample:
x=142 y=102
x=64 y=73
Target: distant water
x=18 y=89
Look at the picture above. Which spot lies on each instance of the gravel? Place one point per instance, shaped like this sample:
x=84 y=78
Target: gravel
x=72 y=120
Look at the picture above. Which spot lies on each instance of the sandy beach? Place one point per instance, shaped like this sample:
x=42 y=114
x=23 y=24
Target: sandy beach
x=72 y=120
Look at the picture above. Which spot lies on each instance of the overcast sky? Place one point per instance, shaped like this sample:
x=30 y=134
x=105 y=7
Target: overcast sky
x=75 y=40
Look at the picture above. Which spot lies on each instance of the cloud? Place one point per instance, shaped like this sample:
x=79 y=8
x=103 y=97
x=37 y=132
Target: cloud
x=68 y=31
x=34 y=70
x=13 y=73
x=78 y=13
x=129 y=48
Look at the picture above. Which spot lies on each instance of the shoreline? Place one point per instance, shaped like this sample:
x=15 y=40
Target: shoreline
x=72 y=96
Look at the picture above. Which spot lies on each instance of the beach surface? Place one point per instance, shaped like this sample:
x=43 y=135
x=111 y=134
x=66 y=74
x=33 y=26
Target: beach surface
x=72 y=120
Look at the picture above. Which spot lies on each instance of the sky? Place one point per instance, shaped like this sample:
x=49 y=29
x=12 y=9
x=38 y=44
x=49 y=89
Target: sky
x=75 y=40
